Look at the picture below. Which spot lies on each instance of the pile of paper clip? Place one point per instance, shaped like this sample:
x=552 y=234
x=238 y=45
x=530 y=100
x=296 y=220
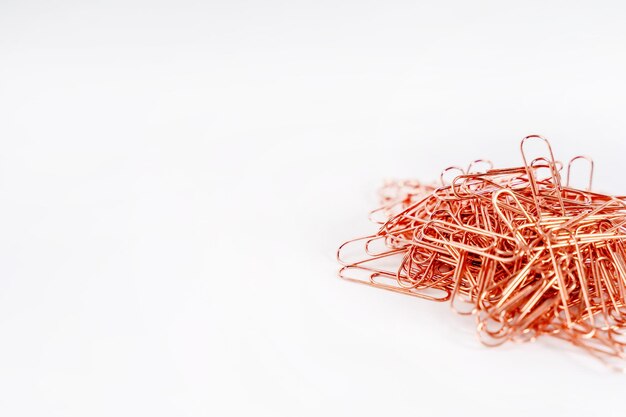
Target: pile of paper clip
x=522 y=252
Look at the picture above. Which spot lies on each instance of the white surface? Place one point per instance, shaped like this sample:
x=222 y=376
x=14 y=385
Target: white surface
x=176 y=176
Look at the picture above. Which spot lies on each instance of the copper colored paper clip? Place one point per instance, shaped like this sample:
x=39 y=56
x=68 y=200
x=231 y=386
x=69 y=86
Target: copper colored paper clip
x=523 y=253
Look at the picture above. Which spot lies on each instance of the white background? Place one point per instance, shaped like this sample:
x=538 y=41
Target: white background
x=175 y=177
